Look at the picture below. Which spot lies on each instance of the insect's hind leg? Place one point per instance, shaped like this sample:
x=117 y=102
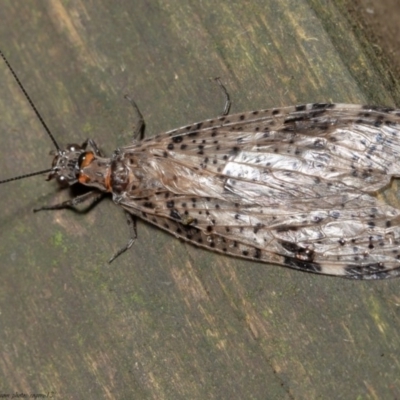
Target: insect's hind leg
x=138 y=131
x=130 y=219
x=95 y=196
x=228 y=101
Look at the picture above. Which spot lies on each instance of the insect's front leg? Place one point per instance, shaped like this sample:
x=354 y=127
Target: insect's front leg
x=95 y=148
x=72 y=203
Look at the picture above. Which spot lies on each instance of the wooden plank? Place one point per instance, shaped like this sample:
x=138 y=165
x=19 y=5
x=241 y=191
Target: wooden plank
x=168 y=320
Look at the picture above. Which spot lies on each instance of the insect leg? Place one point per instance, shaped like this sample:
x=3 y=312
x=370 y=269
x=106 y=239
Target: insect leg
x=130 y=219
x=228 y=102
x=95 y=196
x=94 y=147
x=138 y=131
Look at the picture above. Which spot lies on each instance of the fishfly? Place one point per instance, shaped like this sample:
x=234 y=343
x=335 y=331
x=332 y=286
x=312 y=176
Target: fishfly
x=295 y=186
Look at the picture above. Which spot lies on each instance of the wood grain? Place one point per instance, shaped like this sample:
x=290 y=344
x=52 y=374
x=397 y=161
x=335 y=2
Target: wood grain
x=167 y=320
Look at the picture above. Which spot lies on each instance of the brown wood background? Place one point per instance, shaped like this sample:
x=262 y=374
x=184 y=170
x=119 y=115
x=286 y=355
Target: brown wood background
x=167 y=320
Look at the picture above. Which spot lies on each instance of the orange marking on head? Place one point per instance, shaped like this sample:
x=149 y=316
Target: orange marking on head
x=89 y=156
x=84 y=179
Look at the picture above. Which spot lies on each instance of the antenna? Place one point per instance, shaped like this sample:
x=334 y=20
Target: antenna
x=30 y=102
x=40 y=119
x=26 y=175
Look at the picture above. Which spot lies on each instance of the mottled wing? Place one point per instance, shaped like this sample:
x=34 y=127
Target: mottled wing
x=286 y=186
x=358 y=145
x=354 y=236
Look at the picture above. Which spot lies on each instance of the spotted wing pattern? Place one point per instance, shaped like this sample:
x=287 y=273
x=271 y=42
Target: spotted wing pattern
x=295 y=186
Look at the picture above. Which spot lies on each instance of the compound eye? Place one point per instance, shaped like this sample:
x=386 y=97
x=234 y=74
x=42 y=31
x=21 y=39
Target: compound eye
x=73 y=147
x=62 y=180
x=85 y=159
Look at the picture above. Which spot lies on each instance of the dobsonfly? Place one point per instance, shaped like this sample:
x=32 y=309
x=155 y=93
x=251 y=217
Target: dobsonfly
x=294 y=186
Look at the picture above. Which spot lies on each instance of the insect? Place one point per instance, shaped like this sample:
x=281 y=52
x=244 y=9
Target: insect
x=294 y=186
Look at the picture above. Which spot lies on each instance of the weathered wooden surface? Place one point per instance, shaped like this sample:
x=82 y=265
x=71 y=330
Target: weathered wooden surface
x=167 y=320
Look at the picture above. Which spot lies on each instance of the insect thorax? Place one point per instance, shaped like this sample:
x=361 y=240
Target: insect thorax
x=119 y=174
